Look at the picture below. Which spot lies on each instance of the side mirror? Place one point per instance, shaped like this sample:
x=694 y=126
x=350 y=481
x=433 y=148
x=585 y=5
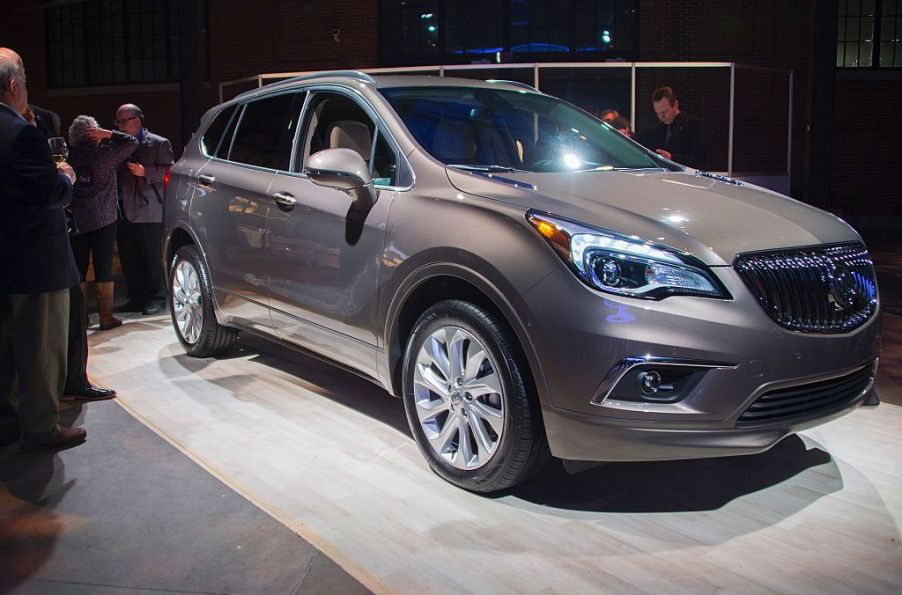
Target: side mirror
x=345 y=170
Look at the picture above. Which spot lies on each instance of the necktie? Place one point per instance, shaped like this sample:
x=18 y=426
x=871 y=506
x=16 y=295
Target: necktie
x=667 y=137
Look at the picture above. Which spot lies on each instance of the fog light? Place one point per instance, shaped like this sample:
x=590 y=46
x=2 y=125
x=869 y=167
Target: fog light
x=651 y=382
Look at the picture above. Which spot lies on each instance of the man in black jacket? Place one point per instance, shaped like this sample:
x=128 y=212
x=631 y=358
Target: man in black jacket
x=36 y=271
x=677 y=135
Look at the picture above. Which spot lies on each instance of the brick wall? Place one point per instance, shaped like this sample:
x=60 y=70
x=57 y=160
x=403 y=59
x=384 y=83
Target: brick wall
x=866 y=165
x=770 y=33
x=247 y=38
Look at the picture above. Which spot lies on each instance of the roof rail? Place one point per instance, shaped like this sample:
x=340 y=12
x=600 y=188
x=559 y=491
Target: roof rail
x=514 y=83
x=354 y=74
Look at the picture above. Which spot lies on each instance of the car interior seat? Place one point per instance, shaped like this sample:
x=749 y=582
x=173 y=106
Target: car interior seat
x=351 y=134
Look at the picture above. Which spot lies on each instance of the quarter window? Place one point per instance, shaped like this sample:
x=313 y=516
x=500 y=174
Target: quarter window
x=213 y=134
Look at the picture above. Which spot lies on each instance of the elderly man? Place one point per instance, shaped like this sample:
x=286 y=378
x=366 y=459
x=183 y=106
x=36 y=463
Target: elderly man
x=677 y=136
x=141 y=196
x=36 y=271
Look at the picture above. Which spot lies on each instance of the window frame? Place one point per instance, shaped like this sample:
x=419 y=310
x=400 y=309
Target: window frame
x=238 y=116
x=94 y=63
x=876 y=40
x=381 y=129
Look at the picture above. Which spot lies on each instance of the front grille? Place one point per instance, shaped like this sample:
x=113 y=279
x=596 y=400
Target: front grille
x=828 y=289
x=807 y=401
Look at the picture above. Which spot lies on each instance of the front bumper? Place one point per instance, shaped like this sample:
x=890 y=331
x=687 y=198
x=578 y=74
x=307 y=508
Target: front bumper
x=581 y=437
x=580 y=342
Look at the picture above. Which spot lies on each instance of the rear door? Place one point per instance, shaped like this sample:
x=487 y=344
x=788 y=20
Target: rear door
x=232 y=201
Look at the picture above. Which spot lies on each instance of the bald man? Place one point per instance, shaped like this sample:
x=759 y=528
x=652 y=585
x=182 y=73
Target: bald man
x=36 y=271
x=141 y=196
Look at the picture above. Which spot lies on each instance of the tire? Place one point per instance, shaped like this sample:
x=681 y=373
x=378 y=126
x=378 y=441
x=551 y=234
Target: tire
x=191 y=306
x=499 y=416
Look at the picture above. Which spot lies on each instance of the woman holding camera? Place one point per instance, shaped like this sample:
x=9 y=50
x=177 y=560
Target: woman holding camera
x=94 y=155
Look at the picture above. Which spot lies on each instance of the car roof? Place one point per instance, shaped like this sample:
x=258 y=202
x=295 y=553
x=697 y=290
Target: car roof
x=356 y=78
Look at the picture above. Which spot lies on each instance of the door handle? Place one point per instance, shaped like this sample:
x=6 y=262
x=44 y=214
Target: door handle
x=206 y=180
x=284 y=200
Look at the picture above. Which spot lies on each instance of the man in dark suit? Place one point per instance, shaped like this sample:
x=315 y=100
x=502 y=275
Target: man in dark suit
x=36 y=271
x=677 y=135
x=77 y=383
x=140 y=234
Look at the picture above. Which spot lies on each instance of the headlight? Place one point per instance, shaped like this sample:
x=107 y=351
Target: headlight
x=624 y=265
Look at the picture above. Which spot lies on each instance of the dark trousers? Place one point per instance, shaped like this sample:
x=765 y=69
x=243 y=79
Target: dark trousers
x=77 y=360
x=97 y=244
x=33 y=332
x=139 y=253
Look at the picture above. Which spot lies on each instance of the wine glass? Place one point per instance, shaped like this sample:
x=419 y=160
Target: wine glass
x=58 y=148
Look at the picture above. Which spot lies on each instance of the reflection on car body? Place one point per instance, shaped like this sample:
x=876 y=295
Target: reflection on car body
x=529 y=281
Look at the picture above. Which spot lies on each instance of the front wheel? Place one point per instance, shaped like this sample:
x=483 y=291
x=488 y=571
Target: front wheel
x=467 y=401
x=191 y=306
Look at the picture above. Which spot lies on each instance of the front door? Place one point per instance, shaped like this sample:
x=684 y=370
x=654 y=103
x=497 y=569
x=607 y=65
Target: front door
x=324 y=258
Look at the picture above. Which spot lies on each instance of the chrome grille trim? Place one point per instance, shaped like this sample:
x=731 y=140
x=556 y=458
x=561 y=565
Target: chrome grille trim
x=825 y=289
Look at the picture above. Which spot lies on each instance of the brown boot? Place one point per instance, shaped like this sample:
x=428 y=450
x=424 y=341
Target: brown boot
x=104 y=295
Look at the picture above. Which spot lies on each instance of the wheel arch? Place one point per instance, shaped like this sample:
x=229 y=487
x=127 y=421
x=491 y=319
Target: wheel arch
x=439 y=282
x=177 y=237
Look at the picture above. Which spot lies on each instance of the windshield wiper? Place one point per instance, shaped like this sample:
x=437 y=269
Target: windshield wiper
x=488 y=168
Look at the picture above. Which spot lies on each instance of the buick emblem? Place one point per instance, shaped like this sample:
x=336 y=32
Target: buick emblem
x=843 y=290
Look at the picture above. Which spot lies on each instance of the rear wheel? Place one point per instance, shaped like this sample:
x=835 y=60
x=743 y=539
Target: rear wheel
x=466 y=400
x=191 y=306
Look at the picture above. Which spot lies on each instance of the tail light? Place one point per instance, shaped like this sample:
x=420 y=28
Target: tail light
x=166 y=178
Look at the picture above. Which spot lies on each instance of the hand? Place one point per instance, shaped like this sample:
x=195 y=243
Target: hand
x=66 y=169
x=136 y=168
x=97 y=134
x=29 y=115
x=664 y=154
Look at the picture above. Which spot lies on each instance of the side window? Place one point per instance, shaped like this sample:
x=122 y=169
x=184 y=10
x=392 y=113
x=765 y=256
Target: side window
x=336 y=121
x=266 y=131
x=213 y=135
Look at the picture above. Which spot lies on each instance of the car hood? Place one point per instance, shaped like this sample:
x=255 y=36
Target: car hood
x=710 y=219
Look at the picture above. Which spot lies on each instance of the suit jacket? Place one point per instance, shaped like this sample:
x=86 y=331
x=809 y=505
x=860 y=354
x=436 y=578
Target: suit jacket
x=688 y=143
x=46 y=121
x=34 y=243
x=142 y=198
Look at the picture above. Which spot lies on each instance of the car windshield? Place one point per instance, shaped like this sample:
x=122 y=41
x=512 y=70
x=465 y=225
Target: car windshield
x=504 y=130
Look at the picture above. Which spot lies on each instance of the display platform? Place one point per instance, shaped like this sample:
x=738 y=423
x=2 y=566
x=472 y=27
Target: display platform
x=329 y=455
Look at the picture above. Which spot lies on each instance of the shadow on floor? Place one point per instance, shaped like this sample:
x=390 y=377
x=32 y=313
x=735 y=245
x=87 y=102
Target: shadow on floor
x=648 y=487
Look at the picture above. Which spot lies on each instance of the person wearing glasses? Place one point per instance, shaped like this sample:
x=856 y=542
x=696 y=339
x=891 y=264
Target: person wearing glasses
x=141 y=202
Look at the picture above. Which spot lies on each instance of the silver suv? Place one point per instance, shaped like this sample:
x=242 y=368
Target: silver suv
x=529 y=281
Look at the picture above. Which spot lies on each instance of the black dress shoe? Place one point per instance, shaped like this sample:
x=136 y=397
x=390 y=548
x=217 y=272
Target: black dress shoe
x=62 y=438
x=90 y=392
x=152 y=309
x=129 y=307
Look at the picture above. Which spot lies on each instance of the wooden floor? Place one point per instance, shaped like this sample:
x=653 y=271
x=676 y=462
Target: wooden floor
x=330 y=456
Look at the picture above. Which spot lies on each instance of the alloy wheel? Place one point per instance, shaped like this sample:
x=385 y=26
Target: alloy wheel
x=187 y=302
x=459 y=397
